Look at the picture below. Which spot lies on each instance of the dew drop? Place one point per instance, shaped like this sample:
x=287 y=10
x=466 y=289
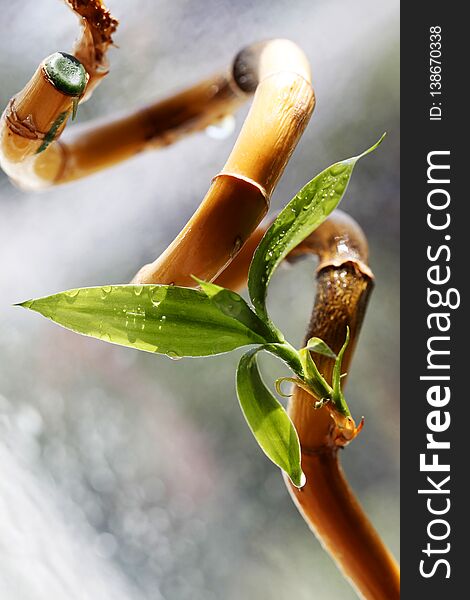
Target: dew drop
x=105 y=291
x=173 y=355
x=338 y=169
x=222 y=129
x=138 y=289
x=71 y=295
x=157 y=294
x=234 y=309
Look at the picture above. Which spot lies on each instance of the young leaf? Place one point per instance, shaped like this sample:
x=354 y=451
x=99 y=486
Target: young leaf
x=268 y=420
x=314 y=379
x=166 y=319
x=320 y=347
x=338 y=396
x=304 y=213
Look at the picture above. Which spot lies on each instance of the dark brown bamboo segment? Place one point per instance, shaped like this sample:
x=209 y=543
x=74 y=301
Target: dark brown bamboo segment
x=327 y=502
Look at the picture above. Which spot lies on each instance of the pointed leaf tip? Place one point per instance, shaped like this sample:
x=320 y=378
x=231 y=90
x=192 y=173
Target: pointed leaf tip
x=372 y=148
x=170 y=320
x=302 y=215
x=24 y=304
x=320 y=347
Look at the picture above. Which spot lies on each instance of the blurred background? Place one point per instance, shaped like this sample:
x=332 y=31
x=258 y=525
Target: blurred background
x=127 y=475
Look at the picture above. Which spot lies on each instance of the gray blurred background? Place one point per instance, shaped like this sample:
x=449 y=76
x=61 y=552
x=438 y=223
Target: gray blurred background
x=126 y=475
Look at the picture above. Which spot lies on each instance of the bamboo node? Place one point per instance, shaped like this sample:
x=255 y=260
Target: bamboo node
x=248 y=180
x=359 y=266
x=26 y=127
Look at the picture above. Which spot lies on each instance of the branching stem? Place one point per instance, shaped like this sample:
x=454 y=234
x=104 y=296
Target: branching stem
x=326 y=502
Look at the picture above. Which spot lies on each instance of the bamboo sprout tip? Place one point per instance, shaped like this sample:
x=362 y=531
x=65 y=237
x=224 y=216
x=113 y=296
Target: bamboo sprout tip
x=66 y=73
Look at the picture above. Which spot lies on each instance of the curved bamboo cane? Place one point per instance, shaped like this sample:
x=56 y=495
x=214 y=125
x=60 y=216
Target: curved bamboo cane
x=34 y=157
x=35 y=118
x=327 y=503
x=239 y=195
x=238 y=198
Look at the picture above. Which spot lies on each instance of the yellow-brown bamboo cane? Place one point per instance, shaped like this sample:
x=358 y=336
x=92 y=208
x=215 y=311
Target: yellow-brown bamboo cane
x=239 y=195
x=36 y=117
x=238 y=198
x=235 y=204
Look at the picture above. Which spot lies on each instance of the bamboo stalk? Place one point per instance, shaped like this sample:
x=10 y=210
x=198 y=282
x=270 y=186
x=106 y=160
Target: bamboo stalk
x=239 y=196
x=278 y=73
x=35 y=118
x=27 y=136
x=326 y=502
x=106 y=142
x=277 y=70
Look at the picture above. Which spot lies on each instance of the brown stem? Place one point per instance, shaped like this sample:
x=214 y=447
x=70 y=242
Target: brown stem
x=98 y=27
x=35 y=118
x=239 y=196
x=277 y=70
x=327 y=503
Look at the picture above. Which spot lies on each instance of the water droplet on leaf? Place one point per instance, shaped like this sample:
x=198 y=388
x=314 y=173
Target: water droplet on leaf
x=71 y=295
x=105 y=291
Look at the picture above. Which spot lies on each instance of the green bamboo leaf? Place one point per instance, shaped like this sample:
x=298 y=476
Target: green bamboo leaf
x=304 y=213
x=166 y=319
x=233 y=305
x=320 y=347
x=314 y=379
x=267 y=419
x=338 y=396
